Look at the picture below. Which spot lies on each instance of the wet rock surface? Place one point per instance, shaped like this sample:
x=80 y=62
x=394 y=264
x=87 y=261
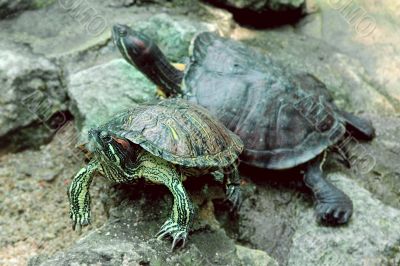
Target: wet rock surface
x=84 y=78
x=128 y=235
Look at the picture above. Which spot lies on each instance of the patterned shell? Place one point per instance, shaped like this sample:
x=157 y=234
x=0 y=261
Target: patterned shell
x=283 y=119
x=179 y=132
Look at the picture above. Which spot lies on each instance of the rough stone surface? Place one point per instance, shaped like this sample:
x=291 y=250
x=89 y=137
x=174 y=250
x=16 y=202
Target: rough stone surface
x=367 y=32
x=383 y=177
x=173 y=34
x=371 y=238
x=128 y=236
x=253 y=257
x=8 y=7
x=99 y=92
x=278 y=219
x=345 y=77
x=33 y=207
x=32 y=92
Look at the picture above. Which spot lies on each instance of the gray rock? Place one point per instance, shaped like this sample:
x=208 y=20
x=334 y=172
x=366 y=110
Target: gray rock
x=279 y=220
x=8 y=7
x=371 y=238
x=366 y=31
x=269 y=213
x=32 y=92
x=345 y=77
x=254 y=257
x=382 y=175
x=127 y=238
x=99 y=92
x=173 y=34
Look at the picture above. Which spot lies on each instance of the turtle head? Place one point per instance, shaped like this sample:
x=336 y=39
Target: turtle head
x=113 y=151
x=136 y=47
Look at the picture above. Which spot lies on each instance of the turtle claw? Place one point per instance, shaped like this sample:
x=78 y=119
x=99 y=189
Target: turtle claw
x=176 y=231
x=334 y=213
x=177 y=238
x=234 y=196
x=79 y=220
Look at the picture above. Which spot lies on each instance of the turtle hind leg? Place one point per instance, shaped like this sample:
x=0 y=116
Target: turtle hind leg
x=333 y=206
x=232 y=182
x=358 y=127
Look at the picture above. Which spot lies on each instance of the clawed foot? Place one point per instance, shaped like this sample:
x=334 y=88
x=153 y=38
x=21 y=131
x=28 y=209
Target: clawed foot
x=176 y=231
x=234 y=196
x=79 y=219
x=335 y=212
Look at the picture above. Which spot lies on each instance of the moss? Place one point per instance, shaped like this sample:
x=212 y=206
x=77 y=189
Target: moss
x=41 y=3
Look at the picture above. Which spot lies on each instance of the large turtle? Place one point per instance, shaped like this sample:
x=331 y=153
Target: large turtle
x=161 y=143
x=284 y=120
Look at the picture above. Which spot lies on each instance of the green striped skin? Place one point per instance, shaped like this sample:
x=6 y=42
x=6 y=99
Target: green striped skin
x=285 y=119
x=79 y=197
x=153 y=169
x=149 y=142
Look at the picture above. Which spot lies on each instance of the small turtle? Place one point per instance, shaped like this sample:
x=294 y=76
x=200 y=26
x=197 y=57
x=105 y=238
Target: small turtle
x=161 y=143
x=284 y=119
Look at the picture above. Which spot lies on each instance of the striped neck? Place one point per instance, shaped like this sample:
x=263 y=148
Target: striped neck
x=154 y=64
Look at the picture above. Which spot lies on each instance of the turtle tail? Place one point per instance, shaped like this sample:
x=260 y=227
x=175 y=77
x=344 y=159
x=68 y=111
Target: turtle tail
x=358 y=127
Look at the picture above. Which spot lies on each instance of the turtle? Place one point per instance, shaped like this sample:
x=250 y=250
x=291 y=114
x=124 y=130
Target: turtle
x=286 y=119
x=159 y=142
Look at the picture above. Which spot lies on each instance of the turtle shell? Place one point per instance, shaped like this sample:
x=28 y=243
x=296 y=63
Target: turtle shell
x=178 y=131
x=283 y=119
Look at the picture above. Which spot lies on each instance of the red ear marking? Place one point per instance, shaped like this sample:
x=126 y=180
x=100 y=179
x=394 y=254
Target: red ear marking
x=124 y=143
x=139 y=43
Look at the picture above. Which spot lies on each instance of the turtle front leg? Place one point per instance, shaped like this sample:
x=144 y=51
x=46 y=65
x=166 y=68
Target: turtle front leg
x=79 y=197
x=181 y=217
x=178 y=224
x=333 y=206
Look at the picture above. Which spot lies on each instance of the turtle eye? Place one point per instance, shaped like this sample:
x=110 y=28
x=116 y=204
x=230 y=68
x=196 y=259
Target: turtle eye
x=122 y=32
x=105 y=137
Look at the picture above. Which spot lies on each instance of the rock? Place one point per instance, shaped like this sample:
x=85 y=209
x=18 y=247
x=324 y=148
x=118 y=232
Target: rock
x=33 y=96
x=371 y=238
x=173 y=34
x=368 y=32
x=262 y=5
x=381 y=175
x=253 y=257
x=345 y=77
x=34 y=210
x=280 y=221
x=99 y=92
x=269 y=213
x=128 y=237
x=8 y=7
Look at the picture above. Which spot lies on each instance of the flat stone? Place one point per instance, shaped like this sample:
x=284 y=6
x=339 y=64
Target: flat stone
x=33 y=90
x=99 y=92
